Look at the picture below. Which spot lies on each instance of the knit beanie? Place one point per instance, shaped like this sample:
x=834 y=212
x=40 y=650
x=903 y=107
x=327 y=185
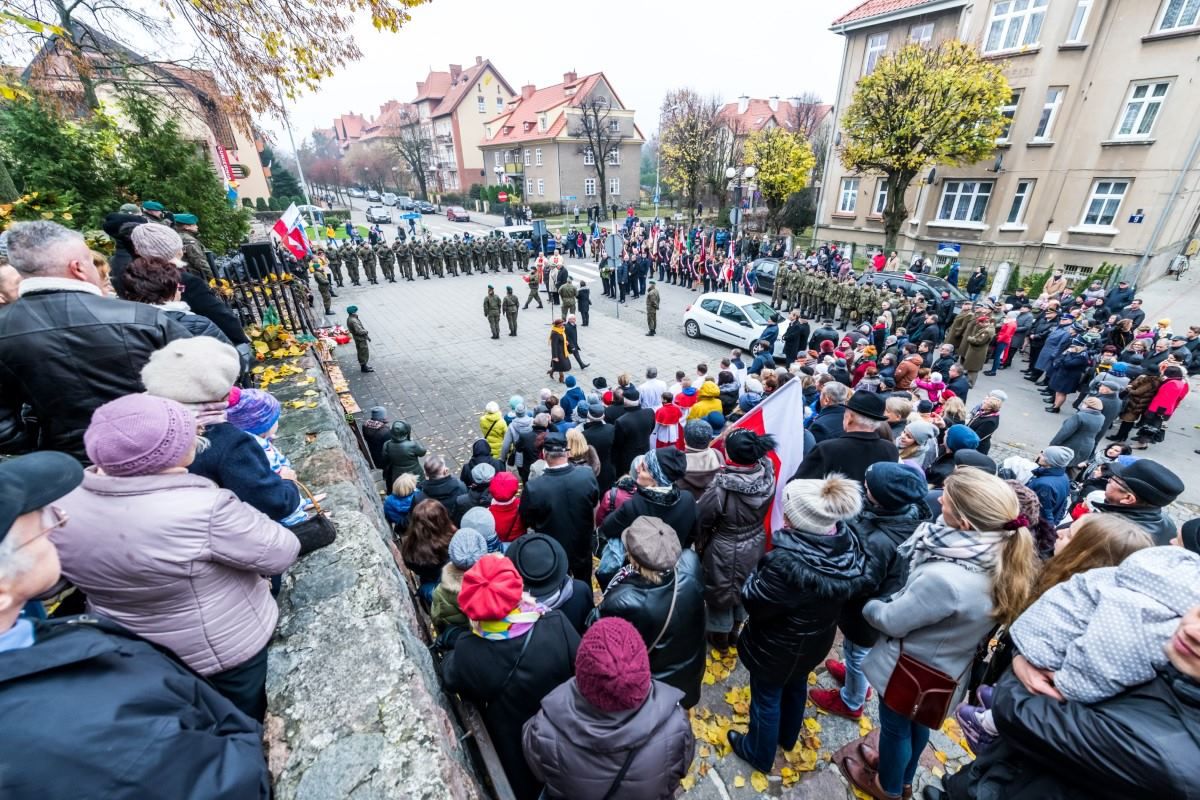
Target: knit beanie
x=746 y=447
x=482 y=474
x=1057 y=456
x=716 y=419
x=482 y=520
x=697 y=434
x=467 y=546
x=379 y=413
x=612 y=668
x=139 y=434
x=960 y=437
x=255 y=412
x=156 y=241
x=815 y=506
x=503 y=487
x=894 y=486
x=196 y=370
x=491 y=589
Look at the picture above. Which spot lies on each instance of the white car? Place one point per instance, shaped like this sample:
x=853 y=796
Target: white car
x=355 y=192
x=738 y=319
x=388 y=199
x=379 y=214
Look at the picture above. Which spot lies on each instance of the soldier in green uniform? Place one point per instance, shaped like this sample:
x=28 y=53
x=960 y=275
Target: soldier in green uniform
x=652 y=303
x=387 y=261
x=866 y=304
x=567 y=294
x=366 y=254
x=322 y=279
x=780 y=289
x=826 y=296
x=492 y=251
x=511 y=306
x=193 y=252
x=421 y=257
x=509 y=252
x=436 y=253
x=491 y=310
x=334 y=255
x=351 y=254
x=451 y=249
x=479 y=254
x=533 y=296
x=361 y=338
x=403 y=262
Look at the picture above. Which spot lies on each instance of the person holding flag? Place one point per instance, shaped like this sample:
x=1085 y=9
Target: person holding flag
x=290 y=230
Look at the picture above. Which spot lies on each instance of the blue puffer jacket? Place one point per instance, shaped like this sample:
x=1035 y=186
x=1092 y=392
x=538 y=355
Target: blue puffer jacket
x=1053 y=489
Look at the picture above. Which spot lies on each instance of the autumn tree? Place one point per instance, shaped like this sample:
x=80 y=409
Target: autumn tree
x=413 y=144
x=783 y=161
x=591 y=126
x=918 y=108
x=371 y=165
x=687 y=132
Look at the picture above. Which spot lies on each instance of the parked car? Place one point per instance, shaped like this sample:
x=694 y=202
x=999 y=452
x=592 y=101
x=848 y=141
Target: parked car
x=765 y=270
x=737 y=319
x=355 y=192
x=931 y=286
x=457 y=214
x=379 y=214
x=312 y=214
x=373 y=196
x=405 y=202
x=426 y=207
x=388 y=198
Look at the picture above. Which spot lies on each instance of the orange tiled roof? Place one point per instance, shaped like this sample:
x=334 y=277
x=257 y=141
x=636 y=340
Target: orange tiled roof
x=433 y=87
x=874 y=8
x=758 y=114
x=526 y=111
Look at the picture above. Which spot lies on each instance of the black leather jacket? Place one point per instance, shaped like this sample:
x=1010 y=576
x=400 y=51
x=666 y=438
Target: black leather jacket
x=678 y=658
x=64 y=354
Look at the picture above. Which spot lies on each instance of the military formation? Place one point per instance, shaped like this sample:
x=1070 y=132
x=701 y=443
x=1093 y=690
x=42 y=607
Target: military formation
x=820 y=295
x=409 y=260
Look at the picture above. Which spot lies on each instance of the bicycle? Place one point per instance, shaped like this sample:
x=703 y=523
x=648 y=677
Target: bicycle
x=1179 y=265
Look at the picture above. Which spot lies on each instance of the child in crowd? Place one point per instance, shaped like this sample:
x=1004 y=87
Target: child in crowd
x=398 y=504
x=257 y=413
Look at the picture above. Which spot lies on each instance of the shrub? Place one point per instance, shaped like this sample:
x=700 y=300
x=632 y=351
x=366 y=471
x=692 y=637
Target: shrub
x=247 y=203
x=260 y=204
x=336 y=218
x=452 y=199
x=474 y=191
x=541 y=209
x=274 y=205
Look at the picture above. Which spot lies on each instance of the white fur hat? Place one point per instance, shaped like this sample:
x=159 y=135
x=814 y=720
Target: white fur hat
x=197 y=370
x=815 y=506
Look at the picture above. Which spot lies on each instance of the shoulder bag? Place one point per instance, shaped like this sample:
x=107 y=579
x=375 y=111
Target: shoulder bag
x=670 y=613
x=919 y=692
x=315 y=532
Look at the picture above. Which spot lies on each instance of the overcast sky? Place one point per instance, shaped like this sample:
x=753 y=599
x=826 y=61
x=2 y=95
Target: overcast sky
x=755 y=47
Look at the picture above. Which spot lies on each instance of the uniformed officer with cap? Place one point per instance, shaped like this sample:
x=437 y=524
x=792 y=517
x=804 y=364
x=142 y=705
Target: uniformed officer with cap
x=193 y=251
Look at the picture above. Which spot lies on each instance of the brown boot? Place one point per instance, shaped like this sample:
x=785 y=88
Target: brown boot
x=865 y=779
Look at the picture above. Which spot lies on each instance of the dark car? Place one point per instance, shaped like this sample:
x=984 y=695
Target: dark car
x=931 y=286
x=426 y=207
x=765 y=270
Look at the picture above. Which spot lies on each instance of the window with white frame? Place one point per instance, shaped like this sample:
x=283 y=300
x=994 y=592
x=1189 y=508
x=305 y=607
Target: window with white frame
x=1178 y=14
x=614 y=186
x=526 y=156
x=589 y=187
x=541 y=185
x=1009 y=112
x=542 y=122
x=1045 y=126
x=876 y=45
x=881 y=188
x=529 y=186
x=614 y=126
x=1104 y=202
x=481 y=104
x=499 y=103
x=589 y=158
x=537 y=156
x=1014 y=24
x=964 y=201
x=848 y=198
x=921 y=34
x=1020 y=201
x=1083 y=8
x=614 y=157
x=1141 y=109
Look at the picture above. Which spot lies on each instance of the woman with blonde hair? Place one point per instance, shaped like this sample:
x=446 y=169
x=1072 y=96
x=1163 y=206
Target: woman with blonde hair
x=969 y=570
x=580 y=453
x=953 y=411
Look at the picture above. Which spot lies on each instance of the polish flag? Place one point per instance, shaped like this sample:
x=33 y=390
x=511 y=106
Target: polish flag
x=780 y=414
x=289 y=229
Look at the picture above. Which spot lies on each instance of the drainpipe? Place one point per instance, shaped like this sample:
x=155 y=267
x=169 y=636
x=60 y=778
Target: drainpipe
x=1166 y=212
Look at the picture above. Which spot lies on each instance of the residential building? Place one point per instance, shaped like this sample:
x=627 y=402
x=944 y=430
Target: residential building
x=1098 y=162
x=749 y=115
x=536 y=143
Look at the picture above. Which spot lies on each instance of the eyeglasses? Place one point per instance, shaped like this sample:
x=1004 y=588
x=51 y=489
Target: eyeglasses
x=60 y=519
x=1122 y=485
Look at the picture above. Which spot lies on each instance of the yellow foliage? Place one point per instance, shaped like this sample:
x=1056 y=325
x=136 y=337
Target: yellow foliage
x=758 y=781
x=738 y=781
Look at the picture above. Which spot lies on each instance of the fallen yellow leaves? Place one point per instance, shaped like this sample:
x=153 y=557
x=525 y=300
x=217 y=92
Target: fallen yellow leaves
x=758 y=781
x=718 y=666
x=864 y=725
x=739 y=782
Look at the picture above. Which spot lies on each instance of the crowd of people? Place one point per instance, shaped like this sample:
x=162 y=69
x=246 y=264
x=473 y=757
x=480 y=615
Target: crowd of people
x=1052 y=606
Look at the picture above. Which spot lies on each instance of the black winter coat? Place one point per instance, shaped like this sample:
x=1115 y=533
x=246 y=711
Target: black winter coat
x=1066 y=372
x=141 y=723
x=985 y=426
x=559 y=504
x=880 y=533
x=1143 y=744
x=732 y=536
x=794 y=598
x=795 y=339
x=631 y=437
x=850 y=454
x=827 y=424
x=65 y=354
x=445 y=490
x=600 y=436
x=672 y=506
x=401 y=454
x=481 y=453
x=678 y=658
x=477 y=669
x=822 y=334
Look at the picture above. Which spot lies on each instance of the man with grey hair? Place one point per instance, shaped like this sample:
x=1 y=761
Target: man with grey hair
x=123 y=697
x=827 y=424
x=652 y=389
x=65 y=349
x=857 y=448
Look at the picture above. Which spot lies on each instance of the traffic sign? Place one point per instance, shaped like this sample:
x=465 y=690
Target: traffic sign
x=735 y=216
x=568 y=197
x=613 y=245
x=502 y=197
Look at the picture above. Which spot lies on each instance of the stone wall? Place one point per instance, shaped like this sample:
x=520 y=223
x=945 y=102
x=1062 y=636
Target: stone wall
x=355 y=709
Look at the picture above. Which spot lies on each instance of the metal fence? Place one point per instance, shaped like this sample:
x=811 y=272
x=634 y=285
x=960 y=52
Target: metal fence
x=274 y=300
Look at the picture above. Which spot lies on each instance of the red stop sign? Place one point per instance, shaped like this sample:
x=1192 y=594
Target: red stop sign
x=502 y=197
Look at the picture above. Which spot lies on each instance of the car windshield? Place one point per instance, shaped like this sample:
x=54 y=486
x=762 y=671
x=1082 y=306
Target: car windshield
x=759 y=313
x=939 y=286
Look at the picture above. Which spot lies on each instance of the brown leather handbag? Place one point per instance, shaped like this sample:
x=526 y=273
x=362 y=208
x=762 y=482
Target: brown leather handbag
x=919 y=692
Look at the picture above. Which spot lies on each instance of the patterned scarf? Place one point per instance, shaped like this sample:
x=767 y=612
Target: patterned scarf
x=515 y=624
x=976 y=551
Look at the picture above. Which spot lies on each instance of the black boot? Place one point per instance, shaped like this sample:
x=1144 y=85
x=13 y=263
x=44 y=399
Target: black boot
x=367 y=368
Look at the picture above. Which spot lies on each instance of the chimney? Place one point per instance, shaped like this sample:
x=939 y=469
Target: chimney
x=527 y=91
x=743 y=104
x=455 y=71
x=478 y=60
x=569 y=77
x=773 y=103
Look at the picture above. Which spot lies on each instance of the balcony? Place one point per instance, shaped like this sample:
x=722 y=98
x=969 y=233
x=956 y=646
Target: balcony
x=514 y=168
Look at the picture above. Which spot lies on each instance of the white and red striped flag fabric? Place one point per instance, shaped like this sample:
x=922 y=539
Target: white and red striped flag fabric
x=290 y=229
x=780 y=414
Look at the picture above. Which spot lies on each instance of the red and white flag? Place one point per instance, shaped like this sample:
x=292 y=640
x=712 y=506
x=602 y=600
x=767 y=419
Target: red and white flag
x=290 y=229
x=781 y=414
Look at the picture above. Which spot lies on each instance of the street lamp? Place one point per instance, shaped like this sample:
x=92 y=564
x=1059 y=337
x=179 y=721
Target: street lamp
x=731 y=173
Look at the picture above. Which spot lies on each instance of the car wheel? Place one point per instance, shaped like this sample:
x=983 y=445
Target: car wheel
x=692 y=329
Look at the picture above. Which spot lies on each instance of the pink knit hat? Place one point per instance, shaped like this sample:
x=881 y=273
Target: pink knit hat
x=612 y=669
x=139 y=434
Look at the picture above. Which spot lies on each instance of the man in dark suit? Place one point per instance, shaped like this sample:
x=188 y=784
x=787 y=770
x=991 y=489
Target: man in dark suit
x=584 y=299
x=573 y=341
x=857 y=448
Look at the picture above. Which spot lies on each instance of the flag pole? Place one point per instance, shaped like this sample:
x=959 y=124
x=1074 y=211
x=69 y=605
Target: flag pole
x=287 y=124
